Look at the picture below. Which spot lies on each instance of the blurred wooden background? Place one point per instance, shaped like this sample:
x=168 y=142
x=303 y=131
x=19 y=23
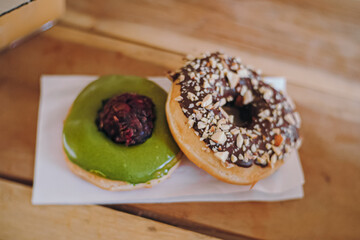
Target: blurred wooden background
x=314 y=44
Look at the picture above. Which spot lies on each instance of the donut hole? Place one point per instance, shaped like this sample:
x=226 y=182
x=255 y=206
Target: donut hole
x=243 y=115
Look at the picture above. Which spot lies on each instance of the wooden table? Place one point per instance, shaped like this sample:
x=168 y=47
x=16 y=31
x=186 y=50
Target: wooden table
x=314 y=44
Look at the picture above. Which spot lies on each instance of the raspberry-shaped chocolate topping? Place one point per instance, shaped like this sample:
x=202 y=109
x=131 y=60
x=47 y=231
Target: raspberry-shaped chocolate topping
x=127 y=118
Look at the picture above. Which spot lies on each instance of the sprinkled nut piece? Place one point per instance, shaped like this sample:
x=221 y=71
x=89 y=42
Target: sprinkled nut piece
x=219 y=137
x=290 y=119
x=191 y=123
x=276 y=150
x=207 y=100
x=297 y=119
x=233 y=79
x=239 y=141
x=181 y=78
x=278 y=140
x=243 y=90
x=201 y=125
x=243 y=73
x=222 y=102
x=192 y=97
x=178 y=98
x=264 y=114
x=253 y=148
x=267 y=92
x=206 y=84
x=261 y=160
x=234 y=131
x=248 y=97
x=276 y=130
x=222 y=155
x=273 y=159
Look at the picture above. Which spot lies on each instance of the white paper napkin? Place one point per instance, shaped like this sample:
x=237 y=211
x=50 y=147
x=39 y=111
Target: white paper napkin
x=54 y=183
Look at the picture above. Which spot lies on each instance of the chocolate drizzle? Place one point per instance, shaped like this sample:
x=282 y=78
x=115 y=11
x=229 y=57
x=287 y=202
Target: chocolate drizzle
x=127 y=118
x=268 y=128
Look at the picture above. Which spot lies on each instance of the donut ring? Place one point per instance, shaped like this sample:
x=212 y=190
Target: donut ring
x=93 y=156
x=239 y=154
x=116 y=185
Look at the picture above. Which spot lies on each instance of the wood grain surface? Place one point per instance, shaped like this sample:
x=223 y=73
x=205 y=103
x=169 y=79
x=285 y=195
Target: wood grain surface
x=314 y=44
x=20 y=220
x=322 y=33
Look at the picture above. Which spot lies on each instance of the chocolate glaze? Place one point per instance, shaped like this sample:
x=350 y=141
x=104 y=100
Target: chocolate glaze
x=127 y=118
x=269 y=126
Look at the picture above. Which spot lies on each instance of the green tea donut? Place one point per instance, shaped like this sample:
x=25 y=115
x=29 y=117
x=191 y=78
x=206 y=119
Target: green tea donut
x=109 y=165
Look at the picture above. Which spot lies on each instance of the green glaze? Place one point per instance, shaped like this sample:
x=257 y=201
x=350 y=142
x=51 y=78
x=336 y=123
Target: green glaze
x=90 y=149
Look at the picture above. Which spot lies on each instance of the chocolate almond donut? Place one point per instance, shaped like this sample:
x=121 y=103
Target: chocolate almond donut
x=266 y=130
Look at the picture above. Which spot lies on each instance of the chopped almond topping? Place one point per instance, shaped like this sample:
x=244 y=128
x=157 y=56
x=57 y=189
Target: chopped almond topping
x=253 y=148
x=278 y=139
x=222 y=155
x=201 y=125
x=273 y=160
x=264 y=114
x=192 y=97
x=206 y=84
x=248 y=97
x=178 y=98
x=225 y=127
x=235 y=131
x=224 y=113
x=297 y=119
x=239 y=141
x=244 y=73
x=233 y=79
x=219 y=137
x=191 y=123
x=290 y=119
x=207 y=100
x=261 y=160
x=276 y=150
x=276 y=130
x=231 y=118
x=181 y=78
x=268 y=94
x=222 y=102
x=243 y=90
